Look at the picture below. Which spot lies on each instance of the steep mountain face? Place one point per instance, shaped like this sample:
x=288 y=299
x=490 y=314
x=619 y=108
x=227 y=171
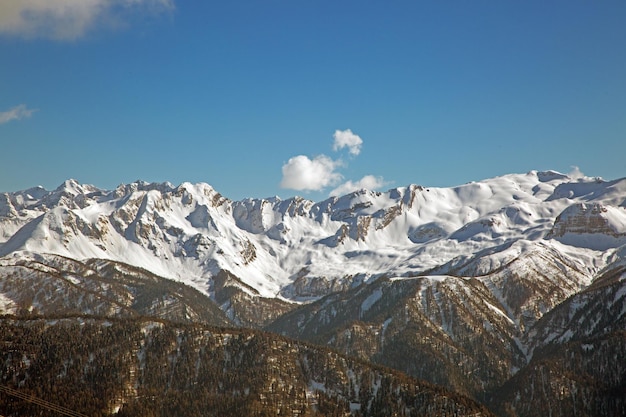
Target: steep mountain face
x=480 y=288
x=51 y=285
x=596 y=311
x=464 y=331
x=577 y=366
x=445 y=329
x=592 y=225
x=146 y=367
x=576 y=378
x=300 y=250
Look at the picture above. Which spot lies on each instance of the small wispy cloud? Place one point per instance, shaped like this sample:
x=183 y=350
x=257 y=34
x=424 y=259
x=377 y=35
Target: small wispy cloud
x=68 y=19
x=347 y=139
x=575 y=173
x=368 y=182
x=304 y=174
x=16 y=113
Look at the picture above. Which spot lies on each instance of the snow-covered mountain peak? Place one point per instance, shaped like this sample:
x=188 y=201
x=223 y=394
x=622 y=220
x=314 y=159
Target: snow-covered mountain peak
x=547 y=176
x=190 y=232
x=34 y=193
x=139 y=185
x=70 y=186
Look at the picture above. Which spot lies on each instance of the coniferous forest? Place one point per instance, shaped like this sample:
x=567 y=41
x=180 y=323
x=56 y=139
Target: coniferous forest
x=145 y=367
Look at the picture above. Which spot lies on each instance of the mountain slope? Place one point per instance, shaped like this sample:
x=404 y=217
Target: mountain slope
x=51 y=285
x=464 y=330
x=444 y=329
x=475 y=287
x=298 y=249
x=146 y=367
x=576 y=352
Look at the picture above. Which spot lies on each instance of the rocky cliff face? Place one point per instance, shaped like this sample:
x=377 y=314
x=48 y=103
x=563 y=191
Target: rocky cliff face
x=592 y=225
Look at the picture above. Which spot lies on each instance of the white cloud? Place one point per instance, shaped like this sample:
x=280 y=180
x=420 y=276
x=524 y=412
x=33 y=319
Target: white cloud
x=302 y=173
x=16 y=113
x=67 y=19
x=369 y=182
x=575 y=173
x=347 y=139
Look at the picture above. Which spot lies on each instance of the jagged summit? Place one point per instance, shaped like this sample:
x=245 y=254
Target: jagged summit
x=190 y=232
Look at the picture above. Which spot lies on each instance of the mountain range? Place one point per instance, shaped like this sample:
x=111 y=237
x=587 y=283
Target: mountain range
x=509 y=291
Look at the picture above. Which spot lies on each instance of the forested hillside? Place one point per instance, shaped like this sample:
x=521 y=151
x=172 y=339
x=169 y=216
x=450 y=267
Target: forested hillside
x=136 y=367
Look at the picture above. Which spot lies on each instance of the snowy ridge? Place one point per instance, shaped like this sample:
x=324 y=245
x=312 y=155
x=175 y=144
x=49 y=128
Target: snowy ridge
x=299 y=249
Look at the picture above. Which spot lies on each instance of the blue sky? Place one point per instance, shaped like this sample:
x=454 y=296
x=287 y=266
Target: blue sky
x=310 y=98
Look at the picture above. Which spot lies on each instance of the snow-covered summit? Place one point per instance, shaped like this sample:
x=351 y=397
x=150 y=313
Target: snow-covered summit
x=191 y=232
